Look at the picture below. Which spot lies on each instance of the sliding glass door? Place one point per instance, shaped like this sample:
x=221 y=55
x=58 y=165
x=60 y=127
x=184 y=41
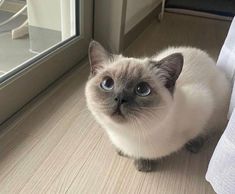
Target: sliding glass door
x=39 y=41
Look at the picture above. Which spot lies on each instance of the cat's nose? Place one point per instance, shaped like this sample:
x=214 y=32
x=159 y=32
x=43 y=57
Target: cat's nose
x=121 y=100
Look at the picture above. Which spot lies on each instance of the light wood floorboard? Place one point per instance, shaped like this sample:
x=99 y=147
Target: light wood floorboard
x=54 y=145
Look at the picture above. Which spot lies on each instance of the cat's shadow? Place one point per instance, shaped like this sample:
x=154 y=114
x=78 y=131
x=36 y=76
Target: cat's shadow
x=185 y=162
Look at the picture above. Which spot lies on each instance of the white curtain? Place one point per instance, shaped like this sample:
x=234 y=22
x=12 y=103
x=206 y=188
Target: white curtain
x=68 y=18
x=221 y=170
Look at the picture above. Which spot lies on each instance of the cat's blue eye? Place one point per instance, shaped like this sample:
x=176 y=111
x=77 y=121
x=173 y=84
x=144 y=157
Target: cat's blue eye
x=107 y=84
x=142 y=89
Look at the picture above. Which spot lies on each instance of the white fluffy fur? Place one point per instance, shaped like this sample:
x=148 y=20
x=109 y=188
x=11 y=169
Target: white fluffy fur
x=200 y=104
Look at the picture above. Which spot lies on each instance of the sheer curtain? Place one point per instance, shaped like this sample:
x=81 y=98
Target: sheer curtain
x=221 y=170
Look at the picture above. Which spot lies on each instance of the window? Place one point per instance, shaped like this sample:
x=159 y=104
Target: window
x=40 y=44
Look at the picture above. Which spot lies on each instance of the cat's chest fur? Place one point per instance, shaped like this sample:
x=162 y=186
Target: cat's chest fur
x=145 y=141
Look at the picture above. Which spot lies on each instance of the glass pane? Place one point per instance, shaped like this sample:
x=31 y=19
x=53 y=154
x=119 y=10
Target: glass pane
x=30 y=27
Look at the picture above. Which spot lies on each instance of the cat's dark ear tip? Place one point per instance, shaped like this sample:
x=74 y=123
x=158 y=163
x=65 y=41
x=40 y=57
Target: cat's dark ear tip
x=91 y=48
x=179 y=56
x=93 y=44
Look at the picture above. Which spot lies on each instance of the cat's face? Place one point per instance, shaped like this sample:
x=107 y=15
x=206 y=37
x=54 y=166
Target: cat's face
x=126 y=88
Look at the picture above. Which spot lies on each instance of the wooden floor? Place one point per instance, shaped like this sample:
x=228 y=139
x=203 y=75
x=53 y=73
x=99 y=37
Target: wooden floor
x=54 y=146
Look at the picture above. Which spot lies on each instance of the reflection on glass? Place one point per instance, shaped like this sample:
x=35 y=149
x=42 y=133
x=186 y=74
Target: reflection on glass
x=29 y=27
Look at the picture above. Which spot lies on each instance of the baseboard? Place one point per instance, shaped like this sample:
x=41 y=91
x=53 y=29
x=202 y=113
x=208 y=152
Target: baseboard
x=12 y=6
x=198 y=13
x=131 y=35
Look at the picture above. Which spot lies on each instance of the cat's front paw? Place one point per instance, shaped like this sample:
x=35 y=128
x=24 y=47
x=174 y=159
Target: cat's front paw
x=144 y=165
x=195 y=145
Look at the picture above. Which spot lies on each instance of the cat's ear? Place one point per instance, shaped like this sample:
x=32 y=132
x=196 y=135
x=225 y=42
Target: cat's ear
x=98 y=56
x=169 y=69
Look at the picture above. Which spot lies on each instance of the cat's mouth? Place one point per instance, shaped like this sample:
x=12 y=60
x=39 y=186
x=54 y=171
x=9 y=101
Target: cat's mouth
x=118 y=112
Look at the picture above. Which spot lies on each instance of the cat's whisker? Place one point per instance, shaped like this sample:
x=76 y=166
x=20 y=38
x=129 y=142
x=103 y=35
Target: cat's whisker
x=148 y=109
x=104 y=104
x=150 y=113
x=152 y=108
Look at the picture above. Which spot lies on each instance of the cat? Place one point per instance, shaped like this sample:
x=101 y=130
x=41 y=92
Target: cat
x=152 y=107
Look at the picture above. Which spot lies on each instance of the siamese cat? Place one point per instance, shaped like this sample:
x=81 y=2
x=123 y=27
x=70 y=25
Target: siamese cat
x=152 y=107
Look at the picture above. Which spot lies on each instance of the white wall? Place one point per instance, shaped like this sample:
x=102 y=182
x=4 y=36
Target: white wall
x=137 y=10
x=68 y=18
x=56 y=15
x=108 y=23
x=45 y=14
